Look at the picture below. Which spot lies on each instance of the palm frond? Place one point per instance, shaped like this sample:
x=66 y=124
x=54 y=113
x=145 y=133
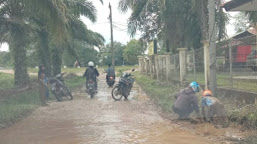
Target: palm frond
x=82 y=7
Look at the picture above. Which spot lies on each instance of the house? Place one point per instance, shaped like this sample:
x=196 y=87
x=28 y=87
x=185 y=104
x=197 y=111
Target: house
x=241 y=5
x=242 y=45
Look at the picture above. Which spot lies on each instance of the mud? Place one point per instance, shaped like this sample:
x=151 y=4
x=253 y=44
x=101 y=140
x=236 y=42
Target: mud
x=103 y=121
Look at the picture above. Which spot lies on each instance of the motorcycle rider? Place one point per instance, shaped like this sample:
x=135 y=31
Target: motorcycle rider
x=91 y=74
x=186 y=101
x=110 y=72
x=214 y=107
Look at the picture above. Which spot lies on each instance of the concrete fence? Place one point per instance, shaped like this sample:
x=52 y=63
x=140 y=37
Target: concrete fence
x=186 y=66
x=165 y=67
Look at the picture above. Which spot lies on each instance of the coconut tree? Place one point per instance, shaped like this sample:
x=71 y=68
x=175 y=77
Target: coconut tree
x=171 y=20
x=77 y=30
x=181 y=23
x=15 y=28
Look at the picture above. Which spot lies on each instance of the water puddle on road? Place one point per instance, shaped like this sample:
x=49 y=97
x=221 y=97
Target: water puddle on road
x=103 y=121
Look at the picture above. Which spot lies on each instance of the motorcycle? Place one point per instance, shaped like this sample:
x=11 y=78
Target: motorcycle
x=91 y=89
x=59 y=89
x=111 y=81
x=124 y=87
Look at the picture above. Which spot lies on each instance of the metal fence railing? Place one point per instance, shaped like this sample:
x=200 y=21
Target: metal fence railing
x=236 y=65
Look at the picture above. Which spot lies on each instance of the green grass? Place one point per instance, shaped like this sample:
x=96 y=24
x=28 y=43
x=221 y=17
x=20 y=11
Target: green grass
x=162 y=94
x=67 y=70
x=249 y=140
x=6 y=81
x=224 y=81
x=16 y=107
x=75 y=81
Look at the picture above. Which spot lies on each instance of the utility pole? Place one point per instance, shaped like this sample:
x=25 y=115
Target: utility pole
x=212 y=40
x=112 y=48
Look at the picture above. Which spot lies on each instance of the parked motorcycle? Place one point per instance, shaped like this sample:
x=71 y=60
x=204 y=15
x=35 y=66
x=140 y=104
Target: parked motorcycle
x=111 y=81
x=124 y=87
x=59 y=89
x=91 y=88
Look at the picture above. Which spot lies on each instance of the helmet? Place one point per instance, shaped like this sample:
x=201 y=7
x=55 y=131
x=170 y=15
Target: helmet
x=91 y=64
x=125 y=74
x=207 y=93
x=195 y=86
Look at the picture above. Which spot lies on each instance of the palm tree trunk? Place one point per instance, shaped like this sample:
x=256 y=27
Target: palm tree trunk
x=57 y=60
x=44 y=52
x=21 y=77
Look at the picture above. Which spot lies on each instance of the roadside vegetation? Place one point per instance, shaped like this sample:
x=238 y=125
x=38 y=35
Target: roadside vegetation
x=224 y=81
x=162 y=94
x=6 y=81
x=15 y=107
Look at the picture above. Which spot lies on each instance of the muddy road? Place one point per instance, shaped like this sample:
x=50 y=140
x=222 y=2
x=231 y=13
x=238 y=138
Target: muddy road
x=103 y=121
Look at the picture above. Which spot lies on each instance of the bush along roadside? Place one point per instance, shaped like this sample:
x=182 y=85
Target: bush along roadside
x=162 y=94
x=15 y=107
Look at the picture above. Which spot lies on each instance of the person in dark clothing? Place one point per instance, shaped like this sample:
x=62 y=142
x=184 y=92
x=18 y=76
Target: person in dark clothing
x=91 y=74
x=186 y=101
x=42 y=89
x=110 y=72
x=40 y=72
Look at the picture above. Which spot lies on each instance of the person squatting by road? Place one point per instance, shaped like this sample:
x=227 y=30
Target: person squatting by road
x=187 y=102
x=91 y=74
x=214 y=107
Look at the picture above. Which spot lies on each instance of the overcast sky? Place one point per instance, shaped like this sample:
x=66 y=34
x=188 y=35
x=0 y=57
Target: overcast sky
x=102 y=24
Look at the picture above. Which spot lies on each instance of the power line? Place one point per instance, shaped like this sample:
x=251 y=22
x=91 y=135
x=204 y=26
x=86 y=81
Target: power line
x=97 y=23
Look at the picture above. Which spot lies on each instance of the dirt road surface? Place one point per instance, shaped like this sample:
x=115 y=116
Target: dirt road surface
x=100 y=121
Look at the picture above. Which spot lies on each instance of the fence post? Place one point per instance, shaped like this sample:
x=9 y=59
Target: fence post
x=231 y=64
x=206 y=63
x=182 y=63
x=168 y=68
x=150 y=65
x=140 y=58
x=156 y=65
x=194 y=63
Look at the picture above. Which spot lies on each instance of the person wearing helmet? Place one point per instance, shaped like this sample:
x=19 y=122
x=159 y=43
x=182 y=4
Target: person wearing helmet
x=110 y=72
x=91 y=73
x=186 y=101
x=213 y=106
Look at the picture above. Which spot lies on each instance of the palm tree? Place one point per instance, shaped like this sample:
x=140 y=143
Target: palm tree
x=77 y=30
x=15 y=28
x=179 y=23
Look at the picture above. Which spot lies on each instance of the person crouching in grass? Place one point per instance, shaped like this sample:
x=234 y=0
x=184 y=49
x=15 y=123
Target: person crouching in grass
x=214 y=108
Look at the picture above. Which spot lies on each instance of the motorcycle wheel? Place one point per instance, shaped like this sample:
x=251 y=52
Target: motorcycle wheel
x=110 y=84
x=58 y=95
x=91 y=93
x=68 y=93
x=115 y=94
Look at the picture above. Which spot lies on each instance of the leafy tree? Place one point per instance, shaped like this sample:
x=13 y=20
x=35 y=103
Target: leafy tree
x=133 y=49
x=106 y=56
x=85 y=53
x=241 y=23
x=16 y=30
x=5 y=59
x=178 y=23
